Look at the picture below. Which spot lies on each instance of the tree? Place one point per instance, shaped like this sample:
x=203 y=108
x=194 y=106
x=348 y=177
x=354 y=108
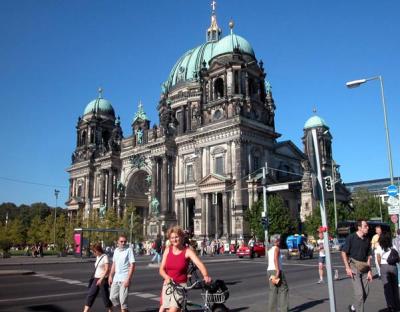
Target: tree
x=34 y=231
x=132 y=219
x=368 y=206
x=279 y=216
x=16 y=232
x=281 y=220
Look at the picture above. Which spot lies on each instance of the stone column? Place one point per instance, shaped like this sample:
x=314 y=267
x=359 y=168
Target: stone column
x=164 y=186
x=229 y=159
x=189 y=117
x=208 y=212
x=225 y=219
x=207 y=159
x=203 y=214
x=110 y=189
x=238 y=174
x=216 y=209
x=154 y=177
x=102 y=187
x=198 y=166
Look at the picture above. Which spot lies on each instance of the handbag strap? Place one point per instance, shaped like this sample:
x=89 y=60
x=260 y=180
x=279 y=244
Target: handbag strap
x=97 y=265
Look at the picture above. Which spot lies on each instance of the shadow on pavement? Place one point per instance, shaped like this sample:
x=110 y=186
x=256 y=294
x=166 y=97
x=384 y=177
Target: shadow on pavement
x=232 y=283
x=238 y=309
x=46 y=308
x=307 y=305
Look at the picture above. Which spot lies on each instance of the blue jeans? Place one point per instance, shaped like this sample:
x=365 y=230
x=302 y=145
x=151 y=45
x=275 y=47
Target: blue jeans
x=156 y=256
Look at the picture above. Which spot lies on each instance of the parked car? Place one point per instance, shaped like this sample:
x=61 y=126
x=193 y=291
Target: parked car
x=244 y=250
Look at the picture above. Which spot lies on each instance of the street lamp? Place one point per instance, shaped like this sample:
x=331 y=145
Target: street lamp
x=56 y=192
x=186 y=211
x=357 y=83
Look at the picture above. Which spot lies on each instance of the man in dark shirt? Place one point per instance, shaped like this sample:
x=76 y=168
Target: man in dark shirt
x=356 y=253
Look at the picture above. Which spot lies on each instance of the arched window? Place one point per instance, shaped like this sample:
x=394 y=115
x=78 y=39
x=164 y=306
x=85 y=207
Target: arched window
x=218 y=88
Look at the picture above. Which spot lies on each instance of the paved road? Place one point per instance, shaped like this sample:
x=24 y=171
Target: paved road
x=61 y=287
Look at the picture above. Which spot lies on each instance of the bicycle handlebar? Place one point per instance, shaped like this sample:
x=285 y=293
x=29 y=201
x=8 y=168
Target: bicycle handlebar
x=179 y=287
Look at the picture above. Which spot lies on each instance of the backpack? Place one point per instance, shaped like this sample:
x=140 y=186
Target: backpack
x=393 y=257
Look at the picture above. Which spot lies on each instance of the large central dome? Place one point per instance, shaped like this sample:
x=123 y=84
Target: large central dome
x=190 y=63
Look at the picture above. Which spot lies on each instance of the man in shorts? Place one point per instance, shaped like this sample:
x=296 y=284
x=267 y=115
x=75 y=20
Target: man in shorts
x=321 y=258
x=121 y=274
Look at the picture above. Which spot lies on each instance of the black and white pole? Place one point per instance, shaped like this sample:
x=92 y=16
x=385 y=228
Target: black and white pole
x=265 y=211
x=320 y=188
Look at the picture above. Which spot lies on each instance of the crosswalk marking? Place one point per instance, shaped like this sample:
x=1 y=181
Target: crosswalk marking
x=80 y=283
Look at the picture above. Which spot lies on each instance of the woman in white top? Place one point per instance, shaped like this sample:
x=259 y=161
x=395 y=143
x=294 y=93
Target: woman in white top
x=99 y=283
x=388 y=272
x=278 y=291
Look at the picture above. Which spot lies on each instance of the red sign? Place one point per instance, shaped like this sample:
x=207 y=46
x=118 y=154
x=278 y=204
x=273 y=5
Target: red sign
x=394 y=218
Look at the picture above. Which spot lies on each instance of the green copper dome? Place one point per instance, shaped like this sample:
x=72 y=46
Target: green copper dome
x=99 y=105
x=315 y=121
x=190 y=63
x=231 y=42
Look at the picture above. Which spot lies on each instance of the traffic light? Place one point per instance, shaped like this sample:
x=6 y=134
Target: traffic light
x=264 y=222
x=328 y=183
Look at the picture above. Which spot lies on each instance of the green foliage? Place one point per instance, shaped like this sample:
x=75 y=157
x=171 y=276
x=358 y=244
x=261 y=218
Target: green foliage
x=280 y=217
x=132 y=222
x=366 y=205
x=5 y=241
x=281 y=220
x=313 y=222
x=35 y=231
x=16 y=232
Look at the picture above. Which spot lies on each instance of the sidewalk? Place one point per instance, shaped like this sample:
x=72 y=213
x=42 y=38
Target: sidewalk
x=23 y=260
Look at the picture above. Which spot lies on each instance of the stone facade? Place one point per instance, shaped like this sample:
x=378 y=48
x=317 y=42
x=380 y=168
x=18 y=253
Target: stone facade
x=201 y=166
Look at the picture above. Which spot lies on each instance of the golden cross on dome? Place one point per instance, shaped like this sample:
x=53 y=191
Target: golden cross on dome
x=213 y=4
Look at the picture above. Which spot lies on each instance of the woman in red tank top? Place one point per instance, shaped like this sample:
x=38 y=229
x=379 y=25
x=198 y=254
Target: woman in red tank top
x=174 y=266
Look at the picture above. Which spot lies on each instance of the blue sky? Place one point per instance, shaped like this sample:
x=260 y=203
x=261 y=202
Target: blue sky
x=55 y=54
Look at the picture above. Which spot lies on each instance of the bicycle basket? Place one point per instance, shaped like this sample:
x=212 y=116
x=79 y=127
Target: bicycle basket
x=216 y=292
x=218 y=297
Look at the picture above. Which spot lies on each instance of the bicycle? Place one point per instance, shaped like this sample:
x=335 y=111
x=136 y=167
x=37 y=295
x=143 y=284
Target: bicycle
x=213 y=302
x=193 y=275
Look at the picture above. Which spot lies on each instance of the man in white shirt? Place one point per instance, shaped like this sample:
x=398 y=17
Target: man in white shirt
x=121 y=274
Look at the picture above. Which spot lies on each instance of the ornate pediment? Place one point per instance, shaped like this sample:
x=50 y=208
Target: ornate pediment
x=214 y=182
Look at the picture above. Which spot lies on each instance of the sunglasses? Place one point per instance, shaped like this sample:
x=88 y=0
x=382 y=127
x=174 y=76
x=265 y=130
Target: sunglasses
x=124 y=241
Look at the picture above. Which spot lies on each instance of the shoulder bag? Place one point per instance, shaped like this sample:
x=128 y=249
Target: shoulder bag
x=91 y=279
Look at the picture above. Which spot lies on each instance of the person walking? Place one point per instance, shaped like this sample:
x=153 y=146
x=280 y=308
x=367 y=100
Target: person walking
x=252 y=241
x=121 y=274
x=374 y=246
x=174 y=267
x=99 y=283
x=278 y=287
x=356 y=255
x=396 y=245
x=321 y=258
x=389 y=272
x=157 y=250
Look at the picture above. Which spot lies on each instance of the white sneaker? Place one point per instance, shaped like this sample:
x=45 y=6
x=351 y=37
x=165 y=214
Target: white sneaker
x=320 y=281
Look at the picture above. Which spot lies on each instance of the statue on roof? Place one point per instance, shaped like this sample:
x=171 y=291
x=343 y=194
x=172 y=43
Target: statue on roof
x=139 y=136
x=140 y=114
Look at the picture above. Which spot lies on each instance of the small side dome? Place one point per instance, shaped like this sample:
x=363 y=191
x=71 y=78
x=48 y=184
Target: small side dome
x=314 y=122
x=233 y=42
x=99 y=105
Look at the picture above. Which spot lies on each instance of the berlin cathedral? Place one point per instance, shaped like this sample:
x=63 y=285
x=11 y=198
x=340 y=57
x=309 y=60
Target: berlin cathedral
x=201 y=166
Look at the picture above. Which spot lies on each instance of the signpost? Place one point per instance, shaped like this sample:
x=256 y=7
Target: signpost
x=392 y=190
x=393 y=208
